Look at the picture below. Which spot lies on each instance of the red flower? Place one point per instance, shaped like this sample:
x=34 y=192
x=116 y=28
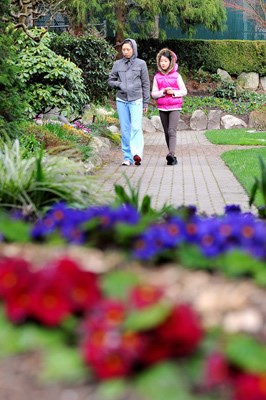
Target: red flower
x=14 y=273
x=107 y=314
x=182 y=330
x=250 y=387
x=145 y=295
x=16 y=280
x=112 y=365
x=111 y=353
x=84 y=291
x=17 y=304
x=217 y=370
x=49 y=299
x=156 y=350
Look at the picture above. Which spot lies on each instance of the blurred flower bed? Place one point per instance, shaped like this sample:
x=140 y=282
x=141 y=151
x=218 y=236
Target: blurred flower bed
x=233 y=243
x=114 y=329
x=120 y=331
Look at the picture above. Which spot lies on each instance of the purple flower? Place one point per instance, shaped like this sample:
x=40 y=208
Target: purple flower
x=173 y=232
x=150 y=243
x=209 y=239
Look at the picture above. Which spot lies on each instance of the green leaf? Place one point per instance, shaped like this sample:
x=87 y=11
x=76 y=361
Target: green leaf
x=191 y=256
x=117 y=284
x=33 y=336
x=14 y=230
x=146 y=205
x=15 y=339
x=112 y=389
x=162 y=382
x=8 y=337
x=246 y=353
x=148 y=317
x=238 y=263
x=62 y=364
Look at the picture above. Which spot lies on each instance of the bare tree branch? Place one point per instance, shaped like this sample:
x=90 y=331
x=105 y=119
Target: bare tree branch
x=255 y=10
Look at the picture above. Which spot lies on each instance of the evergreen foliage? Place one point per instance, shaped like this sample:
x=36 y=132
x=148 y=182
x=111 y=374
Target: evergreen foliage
x=93 y=55
x=138 y=18
x=12 y=106
x=49 y=80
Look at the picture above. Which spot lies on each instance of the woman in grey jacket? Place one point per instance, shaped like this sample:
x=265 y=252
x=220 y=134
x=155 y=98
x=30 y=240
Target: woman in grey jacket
x=129 y=76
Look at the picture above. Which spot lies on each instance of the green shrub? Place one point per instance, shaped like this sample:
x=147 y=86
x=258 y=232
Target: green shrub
x=93 y=55
x=41 y=133
x=30 y=143
x=48 y=79
x=226 y=90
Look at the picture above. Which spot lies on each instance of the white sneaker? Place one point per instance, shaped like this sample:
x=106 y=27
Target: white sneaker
x=126 y=163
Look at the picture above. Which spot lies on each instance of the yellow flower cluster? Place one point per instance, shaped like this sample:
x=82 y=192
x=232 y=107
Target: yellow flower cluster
x=77 y=132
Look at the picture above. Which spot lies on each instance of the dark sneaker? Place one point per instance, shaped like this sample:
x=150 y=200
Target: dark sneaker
x=137 y=160
x=171 y=160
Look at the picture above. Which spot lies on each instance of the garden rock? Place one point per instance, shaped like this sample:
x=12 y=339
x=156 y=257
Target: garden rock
x=248 y=320
x=103 y=112
x=156 y=122
x=214 y=119
x=182 y=126
x=248 y=81
x=51 y=113
x=113 y=129
x=263 y=83
x=225 y=77
x=147 y=125
x=229 y=122
x=100 y=145
x=198 y=120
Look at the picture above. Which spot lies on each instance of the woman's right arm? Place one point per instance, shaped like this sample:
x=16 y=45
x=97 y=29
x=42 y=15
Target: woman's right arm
x=113 y=80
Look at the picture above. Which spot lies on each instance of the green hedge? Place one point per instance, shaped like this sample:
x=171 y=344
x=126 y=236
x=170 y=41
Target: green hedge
x=234 y=56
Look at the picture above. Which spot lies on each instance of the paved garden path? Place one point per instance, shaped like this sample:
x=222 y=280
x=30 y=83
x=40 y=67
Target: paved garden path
x=201 y=178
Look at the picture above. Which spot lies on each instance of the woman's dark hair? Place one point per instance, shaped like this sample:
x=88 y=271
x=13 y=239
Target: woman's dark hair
x=127 y=41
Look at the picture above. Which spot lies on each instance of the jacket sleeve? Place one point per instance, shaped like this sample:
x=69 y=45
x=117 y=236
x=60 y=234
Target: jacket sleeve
x=113 y=80
x=145 y=85
x=182 y=88
x=156 y=93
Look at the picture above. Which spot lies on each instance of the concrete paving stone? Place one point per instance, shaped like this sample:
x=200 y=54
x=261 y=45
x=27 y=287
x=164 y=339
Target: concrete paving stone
x=200 y=178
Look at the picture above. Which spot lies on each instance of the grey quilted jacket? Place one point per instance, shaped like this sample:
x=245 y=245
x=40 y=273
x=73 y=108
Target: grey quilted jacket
x=130 y=77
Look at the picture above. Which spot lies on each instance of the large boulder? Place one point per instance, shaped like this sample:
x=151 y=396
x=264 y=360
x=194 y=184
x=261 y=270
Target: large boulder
x=147 y=125
x=214 y=119
x=263 y=82
x=225 y=77
x=230 y=122
x=248 y=81
x=198 y=120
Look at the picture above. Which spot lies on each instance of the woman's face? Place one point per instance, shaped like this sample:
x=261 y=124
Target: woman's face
x=164 y=62
x=127 y=50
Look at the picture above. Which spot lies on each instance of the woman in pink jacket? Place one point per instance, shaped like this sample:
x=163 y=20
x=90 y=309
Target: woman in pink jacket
x=168 y=89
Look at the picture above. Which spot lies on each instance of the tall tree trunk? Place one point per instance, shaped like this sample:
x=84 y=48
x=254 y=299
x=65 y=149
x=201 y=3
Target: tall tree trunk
x=120 y=13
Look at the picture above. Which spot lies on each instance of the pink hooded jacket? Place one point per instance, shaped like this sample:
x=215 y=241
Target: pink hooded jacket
x=169 y=78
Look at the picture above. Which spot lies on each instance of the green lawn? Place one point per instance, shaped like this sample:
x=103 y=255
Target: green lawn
x=242 y=137
x=243 y=163
x=245 y=166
